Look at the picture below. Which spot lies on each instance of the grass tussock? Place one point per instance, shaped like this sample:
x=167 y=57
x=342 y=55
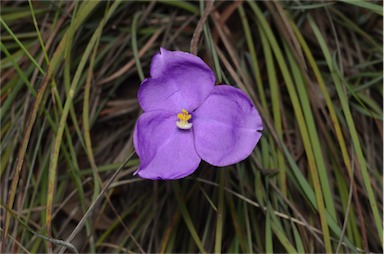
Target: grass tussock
x=70 y=71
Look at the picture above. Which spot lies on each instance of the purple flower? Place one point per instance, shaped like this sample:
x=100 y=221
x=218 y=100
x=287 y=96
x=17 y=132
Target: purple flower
x=187 y=119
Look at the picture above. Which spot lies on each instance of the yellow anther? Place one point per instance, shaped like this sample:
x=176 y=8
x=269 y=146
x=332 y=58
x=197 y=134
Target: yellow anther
x=184 y=116
x=183 y=120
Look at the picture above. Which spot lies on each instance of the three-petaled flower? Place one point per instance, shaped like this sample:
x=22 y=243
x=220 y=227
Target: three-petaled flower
x=187 y=119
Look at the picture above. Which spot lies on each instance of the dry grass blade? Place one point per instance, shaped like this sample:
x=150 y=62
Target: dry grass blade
x=98 y=198
x=199 y=27
x=131 y=63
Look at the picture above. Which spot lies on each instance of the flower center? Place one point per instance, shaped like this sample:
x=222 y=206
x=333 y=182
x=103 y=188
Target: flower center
x=183 y=120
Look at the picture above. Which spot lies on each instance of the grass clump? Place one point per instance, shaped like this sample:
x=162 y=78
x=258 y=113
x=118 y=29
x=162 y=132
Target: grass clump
x=69 y=78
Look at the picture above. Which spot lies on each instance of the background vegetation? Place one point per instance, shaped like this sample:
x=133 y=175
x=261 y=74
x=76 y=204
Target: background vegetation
x=70 y=71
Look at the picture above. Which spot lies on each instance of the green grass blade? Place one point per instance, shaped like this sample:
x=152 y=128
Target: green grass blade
x=220 y=213
x=186 y=216
x=302 y=126
x=377 y=8
x=352 y=128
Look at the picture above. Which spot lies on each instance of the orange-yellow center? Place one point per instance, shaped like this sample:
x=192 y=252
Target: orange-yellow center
x=183 y=117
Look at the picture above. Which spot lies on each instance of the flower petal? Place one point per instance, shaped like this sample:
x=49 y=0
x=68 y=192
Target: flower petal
x=226 y=126
x=165 y=151
x=179 y=80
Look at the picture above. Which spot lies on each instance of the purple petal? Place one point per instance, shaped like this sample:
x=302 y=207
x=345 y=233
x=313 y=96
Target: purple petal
x=226 y=126
x=179 y=80
x=165 y=151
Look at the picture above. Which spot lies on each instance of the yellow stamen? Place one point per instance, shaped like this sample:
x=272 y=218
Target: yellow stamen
x=183 y=120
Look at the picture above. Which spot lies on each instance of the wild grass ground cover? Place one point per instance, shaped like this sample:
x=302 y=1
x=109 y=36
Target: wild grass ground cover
x=70 y=71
